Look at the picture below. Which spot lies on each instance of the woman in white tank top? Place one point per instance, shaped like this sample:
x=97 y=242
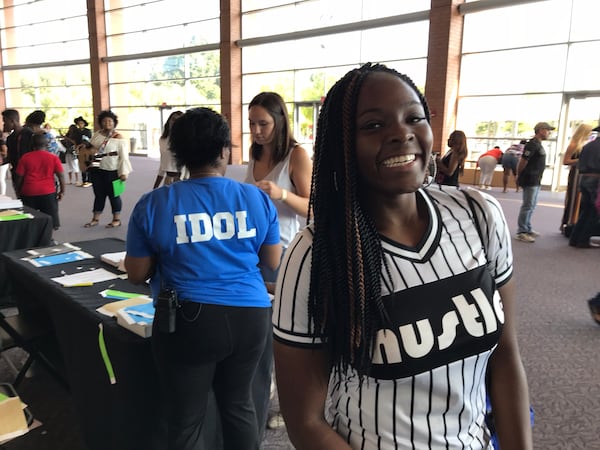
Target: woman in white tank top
x=283 y=170
x=278 y=165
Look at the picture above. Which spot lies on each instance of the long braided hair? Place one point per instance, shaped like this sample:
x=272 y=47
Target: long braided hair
x=347 y=259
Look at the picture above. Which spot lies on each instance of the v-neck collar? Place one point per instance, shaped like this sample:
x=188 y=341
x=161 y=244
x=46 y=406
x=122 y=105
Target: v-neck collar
x=428 y=242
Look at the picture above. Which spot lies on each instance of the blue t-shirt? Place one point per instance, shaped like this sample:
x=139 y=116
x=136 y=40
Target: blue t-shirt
x=205 y=234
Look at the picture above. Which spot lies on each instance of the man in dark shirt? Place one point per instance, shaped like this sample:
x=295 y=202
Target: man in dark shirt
x=18 y=141
x=529 y=177
x=589 y=172
x=82 y=135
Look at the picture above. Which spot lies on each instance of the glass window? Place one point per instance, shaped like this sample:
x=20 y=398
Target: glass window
x=138 y=27
x=30 y=34
x=59 y=91
x=416 y=69
x=22 y=12
x=521 y=109
x=249 y=5
x=583 y=70
x=499 y=120
x=44 y=53
x=517 y=26
x=277 y=17
x=375 y=9
x=134 y=16
x=537 y=69
x=179 y=36
x=312 y=85
x=390 y=43
x=166 y=68
x=585 y=20
x=303 y=53
x=300 y=16
x=192 y=92
x=280 y=82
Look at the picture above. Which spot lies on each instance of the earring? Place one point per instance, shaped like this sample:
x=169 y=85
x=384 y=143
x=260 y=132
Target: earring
x=431 y=171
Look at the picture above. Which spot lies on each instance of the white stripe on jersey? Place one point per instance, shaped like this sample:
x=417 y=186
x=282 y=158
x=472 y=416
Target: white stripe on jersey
x=441 y=406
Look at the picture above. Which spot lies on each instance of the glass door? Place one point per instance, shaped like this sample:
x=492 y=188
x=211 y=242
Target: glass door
x=577 y=109
x=305 y=123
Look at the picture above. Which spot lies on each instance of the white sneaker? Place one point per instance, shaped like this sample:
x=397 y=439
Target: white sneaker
x=534 y=234
x=275 y=421
x=524 y=237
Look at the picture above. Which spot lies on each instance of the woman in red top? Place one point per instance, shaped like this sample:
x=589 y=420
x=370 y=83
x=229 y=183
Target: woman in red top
x=487 y=163
x=35 y=179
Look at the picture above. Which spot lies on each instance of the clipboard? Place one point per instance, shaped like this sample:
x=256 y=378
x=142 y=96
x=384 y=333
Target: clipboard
x=118 y=187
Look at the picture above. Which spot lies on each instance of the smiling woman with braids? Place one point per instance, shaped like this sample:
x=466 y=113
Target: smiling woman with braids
x=397 y=303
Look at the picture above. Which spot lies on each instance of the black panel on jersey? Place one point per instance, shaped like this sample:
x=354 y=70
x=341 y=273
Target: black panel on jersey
x=438 y=323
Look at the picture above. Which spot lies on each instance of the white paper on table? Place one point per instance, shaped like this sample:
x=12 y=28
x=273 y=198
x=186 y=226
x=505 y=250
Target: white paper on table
x=90 y=276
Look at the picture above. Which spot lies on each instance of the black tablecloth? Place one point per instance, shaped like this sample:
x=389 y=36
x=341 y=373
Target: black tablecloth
x=19 y=234
x=125 y=415
x=121 y=416
x=26 y=233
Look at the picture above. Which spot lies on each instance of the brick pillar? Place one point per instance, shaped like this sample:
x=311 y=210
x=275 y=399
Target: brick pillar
x=231 y=73
x=98 y=51
x=443 y=68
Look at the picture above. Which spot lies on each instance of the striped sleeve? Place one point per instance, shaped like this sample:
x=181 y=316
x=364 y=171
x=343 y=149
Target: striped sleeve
x=496 y=235
x=290 y=306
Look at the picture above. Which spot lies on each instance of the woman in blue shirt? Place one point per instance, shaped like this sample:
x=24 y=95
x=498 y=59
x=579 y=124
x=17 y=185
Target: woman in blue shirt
x=202 y=240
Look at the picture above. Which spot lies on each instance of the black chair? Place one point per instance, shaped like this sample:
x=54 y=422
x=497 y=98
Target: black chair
x=33 y=337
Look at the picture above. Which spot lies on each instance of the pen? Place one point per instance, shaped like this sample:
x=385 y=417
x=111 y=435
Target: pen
x=87 y=283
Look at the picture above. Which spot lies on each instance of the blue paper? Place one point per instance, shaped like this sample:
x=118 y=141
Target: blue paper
x=143 y=313
x=62 y=258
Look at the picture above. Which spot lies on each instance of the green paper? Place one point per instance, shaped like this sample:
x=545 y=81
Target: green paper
x=104 y=353
x=3 y=397
x=118 y=187
x=15 y=217
x=111 y=293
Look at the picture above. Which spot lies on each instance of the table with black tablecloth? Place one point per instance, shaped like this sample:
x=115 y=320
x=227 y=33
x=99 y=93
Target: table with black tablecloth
x=125 y=415
x=23 y=233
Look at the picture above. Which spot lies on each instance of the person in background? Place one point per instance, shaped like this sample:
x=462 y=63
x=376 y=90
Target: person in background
x=510 y=161
x=282 y=169
x=363 y=356
x=34 y=121
x=487 y=163
x=18 y=142
x=450 y=166
x=54 y=146
x=580 y=137
x=70 y=143
x=529 y=177
x=587 y=224
x=111 y=163
x=278 y=165
x=83 y=136
x=4 y=165
x=36 y=173
x=203 y=238
x=168 y=169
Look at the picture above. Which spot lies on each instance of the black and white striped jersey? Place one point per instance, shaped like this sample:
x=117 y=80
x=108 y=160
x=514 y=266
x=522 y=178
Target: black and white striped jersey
x=426 y=389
